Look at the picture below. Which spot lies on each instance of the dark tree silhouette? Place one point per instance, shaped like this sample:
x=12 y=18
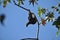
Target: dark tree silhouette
x=2 y=17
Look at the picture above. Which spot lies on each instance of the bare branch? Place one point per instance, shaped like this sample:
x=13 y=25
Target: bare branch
x=38 y=30
x=20 y=6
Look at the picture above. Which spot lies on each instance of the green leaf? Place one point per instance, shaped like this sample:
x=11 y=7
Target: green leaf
x=59 y=4
x=54 y=7
x=57 y=23
x=4 y=3
x=50 y=16
x=40 y=11
x=59 y=11
x=9 y=0
x=57 y=33
x=20 y=2
x=33 y=1
x=43 y=10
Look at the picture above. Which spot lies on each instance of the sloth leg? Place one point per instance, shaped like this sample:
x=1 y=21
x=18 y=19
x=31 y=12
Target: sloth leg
x=28 y=24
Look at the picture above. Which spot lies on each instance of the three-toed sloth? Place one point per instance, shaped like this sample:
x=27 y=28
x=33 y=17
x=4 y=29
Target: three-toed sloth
x=31 y=19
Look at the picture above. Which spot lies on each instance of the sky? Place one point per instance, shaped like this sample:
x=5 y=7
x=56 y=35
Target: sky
x=16 y=19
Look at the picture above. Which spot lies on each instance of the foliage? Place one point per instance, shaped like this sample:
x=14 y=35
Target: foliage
x=41 y=11
x=20 y=2
x=59 y=4
x=43 y=21
x=49 y=15
x=56 y=8
x=33 y=1
x=5 y=2
x=57 y=24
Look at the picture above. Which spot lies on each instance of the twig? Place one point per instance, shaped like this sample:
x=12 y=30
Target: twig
x=20 y=6
x=38 y=30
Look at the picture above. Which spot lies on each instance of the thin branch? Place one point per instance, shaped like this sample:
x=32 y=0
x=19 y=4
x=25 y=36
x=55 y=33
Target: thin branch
x=38 y=30
x=20 y=6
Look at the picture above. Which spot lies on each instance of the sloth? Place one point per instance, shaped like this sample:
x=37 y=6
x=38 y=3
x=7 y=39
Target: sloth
x=31 y=19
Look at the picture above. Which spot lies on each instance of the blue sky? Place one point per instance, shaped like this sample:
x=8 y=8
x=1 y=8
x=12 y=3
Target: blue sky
x=16 y=19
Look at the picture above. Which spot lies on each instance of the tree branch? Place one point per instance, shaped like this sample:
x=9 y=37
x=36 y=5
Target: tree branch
x=20 y=6
x=38 y=30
